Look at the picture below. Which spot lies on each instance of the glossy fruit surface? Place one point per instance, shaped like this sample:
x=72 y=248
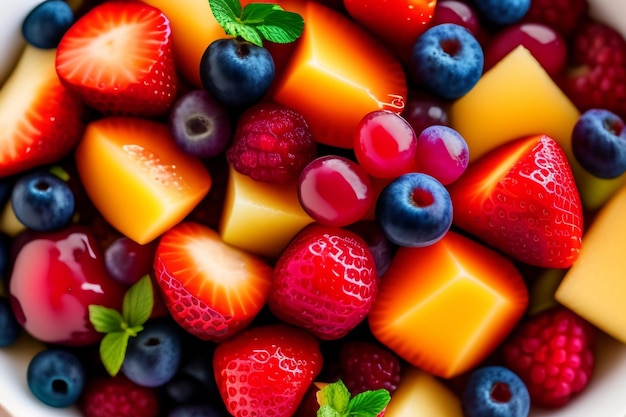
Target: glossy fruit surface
x=522 y=199
x=266 y=370
x=335 y=191
x=127 y=261
x=50 y=297
x=442 y=153
x=325 y=281
x=424 y=110
x=495 y=391
x=56 y=377
x=213 y=290
x=457 y=12
x=46 y=24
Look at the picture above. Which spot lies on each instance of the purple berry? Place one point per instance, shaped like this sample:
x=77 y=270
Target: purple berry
x=442 y=153
x=423 y=110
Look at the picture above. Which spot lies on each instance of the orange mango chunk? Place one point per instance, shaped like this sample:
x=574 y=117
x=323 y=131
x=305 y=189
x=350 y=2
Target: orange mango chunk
x=444 y=308
x=335 y=87
x=259 y=217
x=137 y=177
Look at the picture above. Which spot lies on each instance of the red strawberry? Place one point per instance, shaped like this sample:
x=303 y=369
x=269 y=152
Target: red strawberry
x=562 y=15
x=118 y=59
x=118 y=397
x=265 y=371
x=271 y=144
x=324 y=281
x=211 y=289
x=521 y=198
x=552 y=353
x=40 y=121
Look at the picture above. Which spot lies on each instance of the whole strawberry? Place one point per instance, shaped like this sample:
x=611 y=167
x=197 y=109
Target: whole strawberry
x=271 y=144
x=325 y=281
x=265 y=371
x=118 y=397
x=552 y=353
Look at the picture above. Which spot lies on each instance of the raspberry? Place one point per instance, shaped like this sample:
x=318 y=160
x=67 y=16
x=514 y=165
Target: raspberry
x=551 y=352
x=562 y=15
x=118 y=397
x=598 y=78
x=365 y=366
x=271 y=144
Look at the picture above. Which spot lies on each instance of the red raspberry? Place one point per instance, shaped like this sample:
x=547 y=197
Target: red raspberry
x=551 y=352
x=271 y=144
x=598 y=78
x=562 y=15
x=118 y=397
x=365 y=366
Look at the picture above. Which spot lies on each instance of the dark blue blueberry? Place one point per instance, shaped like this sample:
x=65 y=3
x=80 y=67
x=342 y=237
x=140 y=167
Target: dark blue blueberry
x=236 y=72
x=414 y=210
x=56 y=377
x=42 y=201
x=495 y=391
x=154 y=355
x=197 y=410
x=502 y=12
x=599 y=143
x=46 y=24
x=447 y=60
x=10 y=329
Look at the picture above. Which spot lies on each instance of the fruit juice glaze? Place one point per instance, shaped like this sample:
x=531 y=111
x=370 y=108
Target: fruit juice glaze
x=601 y=397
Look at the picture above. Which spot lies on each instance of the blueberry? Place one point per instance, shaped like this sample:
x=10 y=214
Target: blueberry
x=153 y=356
x=197 y=410
x=495 y=391
x=414 y=210
x=200 y=125
x=502 y=12
x=46 y=24
x=42 y=201
x=236 y=72
x=10 y=329
x=599 y=143
x=56 y=377
x=448 y=60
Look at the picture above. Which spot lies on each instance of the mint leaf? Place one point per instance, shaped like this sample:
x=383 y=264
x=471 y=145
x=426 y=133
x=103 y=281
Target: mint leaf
x=327 y=411
x=369 y=403
x=112 y=351
x=278 y=26
x=335 y=395
x=138 y=303
x=105 y=320
x=225 y=11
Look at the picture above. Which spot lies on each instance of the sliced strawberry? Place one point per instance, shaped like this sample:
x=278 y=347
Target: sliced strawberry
x=40 y=121
x=265 y=371
x=521 y=198
x=118 y=59
x=211 y=289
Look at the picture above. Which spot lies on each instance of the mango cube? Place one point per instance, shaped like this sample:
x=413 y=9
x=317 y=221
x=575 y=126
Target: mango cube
x=445 y=307
x=260 y=217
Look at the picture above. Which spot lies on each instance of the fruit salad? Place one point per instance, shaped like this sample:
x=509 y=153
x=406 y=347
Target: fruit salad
x=312 y=208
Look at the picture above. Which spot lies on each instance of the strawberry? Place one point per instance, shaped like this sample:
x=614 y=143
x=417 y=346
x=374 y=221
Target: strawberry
x=324 y=281
x=210 y=288
x=265 y=371
x=521 y=199
x=118 y=59
x=40 y=120
x=552 y=352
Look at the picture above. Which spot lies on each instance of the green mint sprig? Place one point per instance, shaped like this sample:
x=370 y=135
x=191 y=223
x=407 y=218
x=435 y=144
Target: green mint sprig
x=335 y=401
x=257 y=21
x=120 y=327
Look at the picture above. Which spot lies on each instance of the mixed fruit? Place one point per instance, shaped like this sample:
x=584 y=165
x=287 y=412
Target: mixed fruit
x=312 y=208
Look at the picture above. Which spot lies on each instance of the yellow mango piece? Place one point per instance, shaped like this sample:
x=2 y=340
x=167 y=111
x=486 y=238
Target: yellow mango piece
x=260 y=217
x=517 y=98
x=595 y=286
x=420 y=394
x=137 y=177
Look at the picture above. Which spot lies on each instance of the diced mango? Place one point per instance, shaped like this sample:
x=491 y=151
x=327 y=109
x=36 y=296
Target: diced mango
x=422 y=395
x=137 y=177
x=517 y=98
x=260 y=217
x=595 y=286
x=446 y=307
x=335 y=87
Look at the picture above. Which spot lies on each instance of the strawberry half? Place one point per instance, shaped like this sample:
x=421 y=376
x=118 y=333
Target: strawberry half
x=265 y=371
x=40 y=120
x=210 y=288
x=521 y=199
x=118 y=59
